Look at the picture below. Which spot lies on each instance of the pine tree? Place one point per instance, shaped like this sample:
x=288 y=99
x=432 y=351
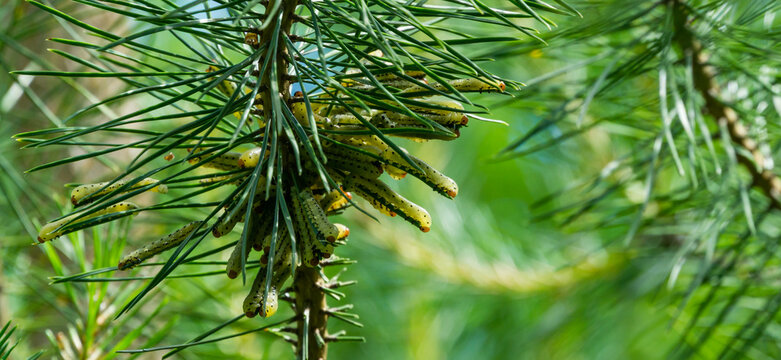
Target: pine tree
x=293 y=107
x=687 y=91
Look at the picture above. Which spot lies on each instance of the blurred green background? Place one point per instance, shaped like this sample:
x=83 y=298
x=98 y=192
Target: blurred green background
x=490 y=281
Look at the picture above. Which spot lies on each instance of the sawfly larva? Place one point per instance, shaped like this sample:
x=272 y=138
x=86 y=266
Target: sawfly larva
x=309 y=245
x=416 y=74
x=94 y=190
x=394 y=172
x=227 y=161
x=225 y=87
x=167 y=242
x=346 y=159
x=233 y=267
x=226 y=222
x=318 y=218
x=430 y=176
x=386 y=200
x=463 y=85
x=250 y=158
x=253 y=303
x=51 y=230
x=335 y=201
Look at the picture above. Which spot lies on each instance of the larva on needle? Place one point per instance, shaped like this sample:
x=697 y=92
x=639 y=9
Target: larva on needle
x=94 y=190
x=167 y=242
x=52 y=230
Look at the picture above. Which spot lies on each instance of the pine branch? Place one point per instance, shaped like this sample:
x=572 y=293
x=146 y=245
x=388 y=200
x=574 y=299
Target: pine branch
x=704 y=82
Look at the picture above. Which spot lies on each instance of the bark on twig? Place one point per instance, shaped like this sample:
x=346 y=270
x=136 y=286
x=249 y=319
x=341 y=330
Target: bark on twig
x=310 y=299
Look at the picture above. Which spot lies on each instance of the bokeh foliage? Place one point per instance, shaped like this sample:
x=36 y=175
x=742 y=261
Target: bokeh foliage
x=503 y=274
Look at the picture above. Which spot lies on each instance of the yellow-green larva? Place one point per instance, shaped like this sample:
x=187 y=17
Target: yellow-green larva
x=317 y=217
x=308 y=254
x=226 y=222
x=282 y=250
x=432 y=177
x=335 y=201
x=227 y=161
x=225 y=87
x=385 y=199
x=233 y=267
x=298 y=108
x=51 y=230
x=448 y=112
x=94 y=190
x=346 y=159
x=250 y=158
x=215 y=179
x=446 y=119
x=406 y=126
x=253 y=303
x=346 y=119
x=262 y=232
x=420 y=75
x=463 y=85
x=167 y=242
x=394 y=172
x=310 y=248
x=370 y=144
x=375 y=202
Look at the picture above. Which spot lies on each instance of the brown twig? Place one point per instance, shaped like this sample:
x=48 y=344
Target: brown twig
x=309 y=297
x=704 y=75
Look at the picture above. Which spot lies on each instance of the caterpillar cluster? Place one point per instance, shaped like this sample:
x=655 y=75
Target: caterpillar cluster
x=355 y=158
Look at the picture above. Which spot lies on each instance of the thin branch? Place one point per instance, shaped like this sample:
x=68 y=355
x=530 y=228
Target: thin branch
x=758 y=167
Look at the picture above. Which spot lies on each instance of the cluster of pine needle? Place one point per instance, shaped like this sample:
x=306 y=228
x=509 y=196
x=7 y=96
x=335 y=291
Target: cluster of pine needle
x=354 y=158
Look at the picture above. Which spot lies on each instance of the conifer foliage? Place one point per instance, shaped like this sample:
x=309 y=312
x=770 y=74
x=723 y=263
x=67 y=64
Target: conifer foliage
x=292 y=110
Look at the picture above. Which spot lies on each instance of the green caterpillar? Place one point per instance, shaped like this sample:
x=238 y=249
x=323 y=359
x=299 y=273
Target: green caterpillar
x=309 y=246
x=227 y=161
x=317 y=217
x=250 y=158
x=167 y=242
x=335 y=201
x=432 y=177
x=253 y=303
x=394 y=172
x=281 y=271
x=298 y=109
x=262 y=232
x=413 y=128
x=94 y=190
x=52 y=230
x=420 y=75
x=233 y=268
x=226 y=222
x=463 y=85
x=225 y=87
x=386 y=200
x=282 y=250
x=353 y=161
x=346 y=119
x=215 y=179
